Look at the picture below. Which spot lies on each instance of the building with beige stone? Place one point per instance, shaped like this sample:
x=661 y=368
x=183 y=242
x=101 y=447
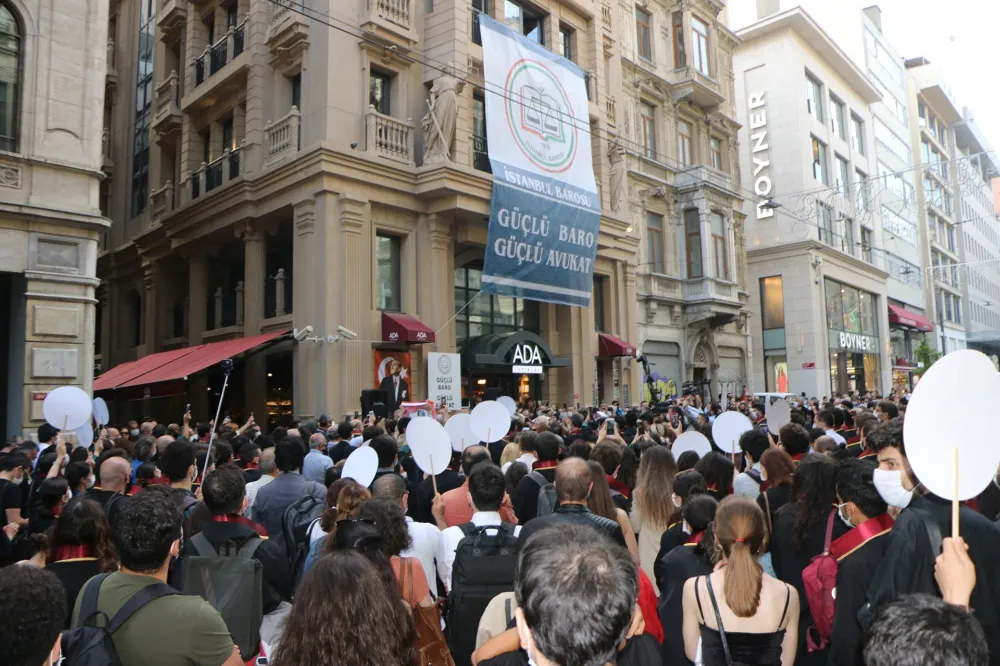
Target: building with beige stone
x=270 y=176
x=52 y=88
x=678 y=121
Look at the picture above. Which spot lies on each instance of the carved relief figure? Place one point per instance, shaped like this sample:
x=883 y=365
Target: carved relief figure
x=616 y=156
x=439 y=123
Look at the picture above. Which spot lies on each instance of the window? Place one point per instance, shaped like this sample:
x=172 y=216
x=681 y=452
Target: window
x=847 y=242
x=692 y=242
x=643 y=37
x=482 y=315
x=379 y=88
x=684 y=153
x=143 y=107
x=843 y=176
x=825 y=223
x=891 y=141
x=772 y=299
x=566 y=43
x=598 y=302
x=858 y=134
x=648 y=113
x=819 y=161
x=715 y=148
x=228 y=135
x=719 y=253
x=480 y=147
x=680 y=55
x=898 y=226
x=951 y=238
x=478 y=7
x=837 y=120
x=864 y=200
x=654 y=235
x=699 y=45
x=814 y=98
x=231 y=16
x=525 y=21
x=866 y=244
x=297 y=91
x=387 y=296
x=10 y=79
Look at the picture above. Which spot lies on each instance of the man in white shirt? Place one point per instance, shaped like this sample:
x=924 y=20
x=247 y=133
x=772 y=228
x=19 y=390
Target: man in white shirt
x=526 y=444
x=825 y=421
x=423 y=536
x=268 y=470
x=486 y=492
x=754 y=444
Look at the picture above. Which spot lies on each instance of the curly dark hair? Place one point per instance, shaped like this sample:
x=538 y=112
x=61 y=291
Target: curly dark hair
x=718 y=471
x=814 y=489
x=334 y=589
x=887 y=435
x=390 y=520
x=83 y=523
x=35 y=605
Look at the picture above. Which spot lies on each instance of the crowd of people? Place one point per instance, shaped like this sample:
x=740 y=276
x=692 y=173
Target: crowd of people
x=578 y=539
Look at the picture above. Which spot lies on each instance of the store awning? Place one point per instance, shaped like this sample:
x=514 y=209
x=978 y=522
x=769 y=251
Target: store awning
x=903 y=317
x=178 y=363
x=398 y=327
x=611 y=346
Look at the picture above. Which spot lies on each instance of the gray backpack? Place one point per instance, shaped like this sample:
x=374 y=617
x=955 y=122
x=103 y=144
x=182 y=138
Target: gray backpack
x=232 y=582
x=548 y=500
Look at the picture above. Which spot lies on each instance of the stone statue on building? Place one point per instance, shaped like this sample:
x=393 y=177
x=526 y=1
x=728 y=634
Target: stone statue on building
x=616 y=156
x=439 y=123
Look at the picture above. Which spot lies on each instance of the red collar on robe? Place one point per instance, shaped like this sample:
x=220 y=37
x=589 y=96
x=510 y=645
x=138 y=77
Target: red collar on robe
x=242 y=520
x=73 y=552
x=545 y=464
x=861 y=535
x=695 y=539
x=798 y=457
x=618 y=485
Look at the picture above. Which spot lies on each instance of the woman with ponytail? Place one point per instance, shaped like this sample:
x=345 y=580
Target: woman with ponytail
x=738 y=614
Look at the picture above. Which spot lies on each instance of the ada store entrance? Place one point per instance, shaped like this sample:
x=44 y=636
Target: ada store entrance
x=515 y=386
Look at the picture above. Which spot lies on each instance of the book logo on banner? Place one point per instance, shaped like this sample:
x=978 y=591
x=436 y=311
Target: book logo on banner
x=545 y=212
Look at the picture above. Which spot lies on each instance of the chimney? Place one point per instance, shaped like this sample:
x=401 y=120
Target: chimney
x=766 y=8
x=875 y=14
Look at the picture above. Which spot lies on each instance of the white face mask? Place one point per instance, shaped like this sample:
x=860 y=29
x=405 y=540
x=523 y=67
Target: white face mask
x=843 y=515
x=90 y=481
x=889 y=485
x=18 y=481
x=677 y=501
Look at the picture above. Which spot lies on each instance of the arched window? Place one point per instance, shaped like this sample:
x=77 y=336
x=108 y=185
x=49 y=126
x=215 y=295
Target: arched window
x=485 y=313
x=10 y=79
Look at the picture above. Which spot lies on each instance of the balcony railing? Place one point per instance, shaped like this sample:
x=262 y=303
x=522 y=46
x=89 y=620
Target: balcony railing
x=389 y=137
x=199 y=70
x=278 y=294
x=708 y=288
x=217 y=55
x=161 y=201
x=477 y=37
x=168 y=92
x=606 y=15
x=281 y=138
x=213 y=176
x=610 y=110
x=394 y=11
x=481 y=154
x=239 y=38
x=234 y=163
x=697 y=175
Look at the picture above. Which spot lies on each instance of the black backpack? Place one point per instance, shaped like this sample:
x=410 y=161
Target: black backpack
x=295 y=524
x=485 y=565
x=89 y=644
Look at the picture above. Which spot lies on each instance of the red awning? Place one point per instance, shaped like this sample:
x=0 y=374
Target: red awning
x=398 y=327
x=903 y=317
x=201 y=357
x=609 y=345
x=125 y=372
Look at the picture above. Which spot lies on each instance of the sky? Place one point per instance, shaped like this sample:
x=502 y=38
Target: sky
x=957 y=36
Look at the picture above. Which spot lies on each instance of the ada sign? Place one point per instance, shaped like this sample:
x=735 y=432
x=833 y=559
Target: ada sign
x=444 y=379
x=525 y=354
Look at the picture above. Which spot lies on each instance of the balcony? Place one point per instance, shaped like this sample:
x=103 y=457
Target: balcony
x=481 y=154
x=288 y=31
x=390 y=20
x=161 y=201
x=278 y=295
x=711 y=299
x=700 y=176
x=167 y=120
x=611 y=111
x=281 y=138
x=690 y=84
x=220 y=71
x=171 y=17
x=111 y=77
x=389 y=137
x=213 y=175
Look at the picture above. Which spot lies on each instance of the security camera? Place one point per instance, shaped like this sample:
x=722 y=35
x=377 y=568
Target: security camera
x=346 y=333
x=817 y=261
x=301 y=335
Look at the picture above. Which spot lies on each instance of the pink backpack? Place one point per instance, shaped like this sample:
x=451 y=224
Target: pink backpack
x=819 y=579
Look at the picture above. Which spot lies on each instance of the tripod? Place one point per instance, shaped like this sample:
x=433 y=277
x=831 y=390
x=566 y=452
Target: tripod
x=227 y=368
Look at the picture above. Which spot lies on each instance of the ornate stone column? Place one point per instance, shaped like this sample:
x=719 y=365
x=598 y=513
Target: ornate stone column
x=149 y=309
x=305 y=380
x=356 y=358
x=197 y=297
x=254 y=269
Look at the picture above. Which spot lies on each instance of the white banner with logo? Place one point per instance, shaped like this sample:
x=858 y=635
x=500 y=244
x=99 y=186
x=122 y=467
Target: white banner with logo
x=545 y=213
x=444 y=379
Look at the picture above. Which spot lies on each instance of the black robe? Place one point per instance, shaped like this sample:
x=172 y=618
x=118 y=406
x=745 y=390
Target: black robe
x=855 y=574
x=789 y=562
x=988 y=502
x=525 y=498
x=672 y=537
x=908 y=565
x=673 y=570
x=776 y=498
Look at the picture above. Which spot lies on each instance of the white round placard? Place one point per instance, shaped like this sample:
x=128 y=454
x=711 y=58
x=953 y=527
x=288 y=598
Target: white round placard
x=778 y=414
x=429 y=443
x=692 y=440
x=728 y=428
x=101 y=414
x=67 y=408
x=490 y=421
x=361 y=466
x=459 y=430
x=931 y=436
x=509 y=403
x=84 y=435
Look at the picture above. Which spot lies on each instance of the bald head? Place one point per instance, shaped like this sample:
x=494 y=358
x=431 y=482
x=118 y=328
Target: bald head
x=391 y=486
x=115 y=474
x=146 y=428
x=317 y=441
x=573 y=481
x=163 y=442
x=824 y=444
x=267 y=465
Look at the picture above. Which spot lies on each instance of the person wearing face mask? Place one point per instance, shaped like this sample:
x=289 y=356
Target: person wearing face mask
x=916 y=538
x=687 y=484
x=35 y=595
x=13 y=471
x=170 y=628
x=859 y=554
x=178 y=463
x=112 y=473
x=754 y=444
x=79 y=476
